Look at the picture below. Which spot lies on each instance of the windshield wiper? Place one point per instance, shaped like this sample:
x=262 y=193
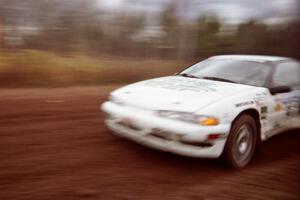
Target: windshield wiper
x=217 y=79
x=188 y=75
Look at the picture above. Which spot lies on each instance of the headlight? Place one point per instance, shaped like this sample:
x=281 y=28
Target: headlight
x=190 y=117
x=111 y=98
x=115 y=100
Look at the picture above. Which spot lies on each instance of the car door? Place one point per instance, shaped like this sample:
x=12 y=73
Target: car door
x=287 y=74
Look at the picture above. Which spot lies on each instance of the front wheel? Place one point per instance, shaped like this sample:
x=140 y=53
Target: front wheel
x=241 y=142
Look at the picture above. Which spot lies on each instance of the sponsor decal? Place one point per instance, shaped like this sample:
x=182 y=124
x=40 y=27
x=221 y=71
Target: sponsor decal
x=290 y=102
x=183 y=84
x=261 y=95
x=259 y=99
x=264 y=109
x=278 y=107
x=259 y=103
x=263 y=112
x=292 y=109
x=244 y=103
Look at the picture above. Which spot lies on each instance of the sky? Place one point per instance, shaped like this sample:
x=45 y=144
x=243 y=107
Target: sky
x=234 y=11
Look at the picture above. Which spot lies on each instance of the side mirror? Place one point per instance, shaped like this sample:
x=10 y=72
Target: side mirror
x=279 y=89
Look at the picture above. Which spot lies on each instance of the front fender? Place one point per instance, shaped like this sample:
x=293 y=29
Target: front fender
x=228 y=109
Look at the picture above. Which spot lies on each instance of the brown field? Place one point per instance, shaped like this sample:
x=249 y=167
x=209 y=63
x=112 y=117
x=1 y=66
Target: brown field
x=32 y=68
x=54 y=145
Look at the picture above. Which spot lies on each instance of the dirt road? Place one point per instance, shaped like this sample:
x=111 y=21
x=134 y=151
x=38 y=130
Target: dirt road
x=54 y=145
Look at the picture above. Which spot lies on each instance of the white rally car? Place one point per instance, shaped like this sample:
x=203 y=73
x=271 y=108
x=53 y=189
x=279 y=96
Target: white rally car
x=224 y=105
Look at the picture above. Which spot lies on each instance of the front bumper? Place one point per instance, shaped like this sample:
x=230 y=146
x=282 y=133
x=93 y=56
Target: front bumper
x=147 y=128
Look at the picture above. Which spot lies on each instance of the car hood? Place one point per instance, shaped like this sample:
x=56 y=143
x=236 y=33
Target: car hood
x=176 y=93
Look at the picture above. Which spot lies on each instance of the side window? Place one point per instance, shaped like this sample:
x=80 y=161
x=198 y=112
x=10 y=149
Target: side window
x=287 y=74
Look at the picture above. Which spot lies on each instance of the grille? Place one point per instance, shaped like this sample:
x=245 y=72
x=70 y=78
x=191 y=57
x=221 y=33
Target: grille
x=130 y=126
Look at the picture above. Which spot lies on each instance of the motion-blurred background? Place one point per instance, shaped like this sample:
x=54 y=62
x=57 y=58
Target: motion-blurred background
x=53 y=142
x=80 y=42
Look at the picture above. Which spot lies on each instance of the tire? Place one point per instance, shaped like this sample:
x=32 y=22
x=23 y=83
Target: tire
x=241 y=142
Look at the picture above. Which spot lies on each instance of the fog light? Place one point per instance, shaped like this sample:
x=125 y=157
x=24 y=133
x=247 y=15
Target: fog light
x=214 y=136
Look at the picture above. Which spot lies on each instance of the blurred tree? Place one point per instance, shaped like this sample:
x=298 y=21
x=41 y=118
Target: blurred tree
x=292 y=38
x=251 y=37
x=207 y=36
x=67 y=27
x=171 y=25
x=79 y=25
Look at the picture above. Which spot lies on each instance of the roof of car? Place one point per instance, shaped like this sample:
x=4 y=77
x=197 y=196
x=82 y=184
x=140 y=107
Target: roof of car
x=253 y=58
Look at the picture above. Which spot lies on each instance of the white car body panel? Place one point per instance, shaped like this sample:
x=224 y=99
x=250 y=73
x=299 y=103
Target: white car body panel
x=250 y=58
x=138 y=104
x=176 y=93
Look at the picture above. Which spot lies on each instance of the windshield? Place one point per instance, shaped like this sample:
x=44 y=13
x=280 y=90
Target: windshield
x=244 y=72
